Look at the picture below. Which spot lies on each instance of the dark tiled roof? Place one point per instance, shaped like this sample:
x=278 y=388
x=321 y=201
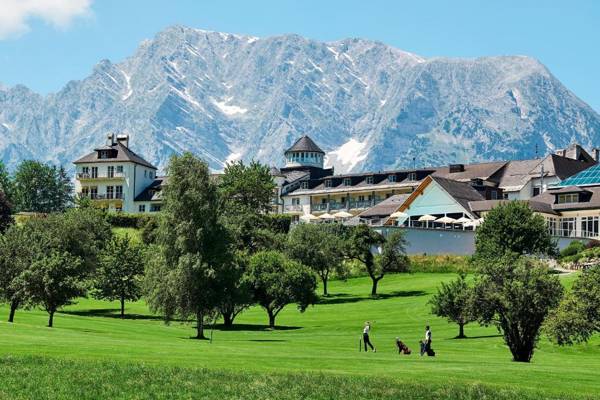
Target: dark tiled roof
x=569 y=189
x=487 y=205
x=153 y=191
x=517 y=173
x=123 y=154
x=462 y=192
x=305 y=143
x=386 y=207
x=564 y=167
x=472 y=171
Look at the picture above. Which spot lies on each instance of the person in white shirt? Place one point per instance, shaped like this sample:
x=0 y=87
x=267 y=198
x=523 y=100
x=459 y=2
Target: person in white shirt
x=366 y=339
x=426 y=343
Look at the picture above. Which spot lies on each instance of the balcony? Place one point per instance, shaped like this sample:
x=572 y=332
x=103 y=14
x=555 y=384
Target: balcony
x=102 y=196
x=293 y=208
x=349 y=205
x=87 y=176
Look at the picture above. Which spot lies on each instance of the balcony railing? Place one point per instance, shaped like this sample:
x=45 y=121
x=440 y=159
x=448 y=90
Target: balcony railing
x=102 y=196
x=115 y=175
x=349 y=205
x=293 y=207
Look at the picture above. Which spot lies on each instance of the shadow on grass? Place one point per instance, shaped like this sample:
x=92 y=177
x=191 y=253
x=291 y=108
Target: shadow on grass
x=267 y=340
x=111 y=313
x=341 y=298
x=254 y=328
x=478 y=337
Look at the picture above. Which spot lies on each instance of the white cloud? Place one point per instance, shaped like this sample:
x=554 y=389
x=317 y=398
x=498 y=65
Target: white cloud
x=16 y=14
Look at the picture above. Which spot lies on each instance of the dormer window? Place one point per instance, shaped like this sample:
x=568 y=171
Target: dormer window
x=567 y=198
x=328 y=183
x=369 y=180
x=304 y=185
x=391 y=178
x=103 y=154
x=347 y=182
x=412 y=176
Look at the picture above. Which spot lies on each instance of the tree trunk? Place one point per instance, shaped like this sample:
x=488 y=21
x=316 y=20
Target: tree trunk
x=461 y=331
x=200 y=326
x=51 y=319
x=271 y=319
x=122 y=307
x=13 y=308
x=227 y=319
x=325 y=286
x=374 y=287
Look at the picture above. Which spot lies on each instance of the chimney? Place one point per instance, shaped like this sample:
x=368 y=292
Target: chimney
x=110 y=139
x=124 y=140
x=596 y=152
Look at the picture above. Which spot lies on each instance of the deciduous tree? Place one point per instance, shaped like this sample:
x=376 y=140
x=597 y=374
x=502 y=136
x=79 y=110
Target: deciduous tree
x=361 y=245
x=578 y=316
x=516 y=295
x=54 y=280
x=318 y=246
x=183 y=280
x=120 y=271
x=454 y=301
x=276 y=281
x=41 y=188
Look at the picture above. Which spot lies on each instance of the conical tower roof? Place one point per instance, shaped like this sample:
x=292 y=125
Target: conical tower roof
x=305 y=143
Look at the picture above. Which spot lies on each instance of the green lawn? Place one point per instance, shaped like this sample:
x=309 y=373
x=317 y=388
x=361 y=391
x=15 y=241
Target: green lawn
x=320 y=343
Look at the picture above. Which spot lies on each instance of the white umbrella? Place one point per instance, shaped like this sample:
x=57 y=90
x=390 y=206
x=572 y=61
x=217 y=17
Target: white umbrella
x=463 y=220
x=399 y=214
x=308 y=217
x=426 y=218
x=343 y=214
x=326 y=216
x=477 y=222
x=445 y=220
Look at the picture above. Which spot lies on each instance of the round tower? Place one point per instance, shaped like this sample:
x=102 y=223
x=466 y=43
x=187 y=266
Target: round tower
x=304 y=153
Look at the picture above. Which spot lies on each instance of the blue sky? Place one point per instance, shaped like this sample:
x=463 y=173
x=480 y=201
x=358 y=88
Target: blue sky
x=53 y=41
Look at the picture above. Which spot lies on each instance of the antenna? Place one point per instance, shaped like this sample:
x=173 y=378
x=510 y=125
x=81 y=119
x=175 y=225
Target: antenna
x=415 y=163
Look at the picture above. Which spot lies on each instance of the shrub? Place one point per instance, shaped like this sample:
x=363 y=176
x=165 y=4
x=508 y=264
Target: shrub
x=148 y=225
x=573 y=248
x=124 y=220
x=279 y=223
x=441 y=263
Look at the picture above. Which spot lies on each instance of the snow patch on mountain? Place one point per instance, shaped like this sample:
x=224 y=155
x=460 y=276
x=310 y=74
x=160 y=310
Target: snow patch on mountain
x=229 y=109
x=347 y=156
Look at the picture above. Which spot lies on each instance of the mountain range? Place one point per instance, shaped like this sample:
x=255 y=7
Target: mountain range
x=228 y=97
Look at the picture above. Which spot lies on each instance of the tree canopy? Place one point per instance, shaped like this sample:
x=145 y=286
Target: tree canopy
x=41 y=188
x=454 y=301
x=277 y=281
x=193 y=245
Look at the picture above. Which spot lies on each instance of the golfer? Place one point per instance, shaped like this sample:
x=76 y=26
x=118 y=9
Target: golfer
x=366 y=339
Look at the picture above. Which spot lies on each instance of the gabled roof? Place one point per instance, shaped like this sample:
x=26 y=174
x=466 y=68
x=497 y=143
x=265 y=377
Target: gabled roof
x=123 y=154
x=461 y=192
x=471 y=171
x=386 y=207
x=487 y=205
x=305 y=143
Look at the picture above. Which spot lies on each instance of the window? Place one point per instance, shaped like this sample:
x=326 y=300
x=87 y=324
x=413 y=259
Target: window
x=142 y=208
x=323 y=201
x=110 y=192
x=567 y=198
x=85 y=191
x=118 y=192
x=347 y=182
x=103 y=154
x=567 y=227
x=505 y=196
x=94 y=172
x=328 y=183
x=552 y=226
x=343 y=200
x=369 y=180
x=154 y=207
x=304 y=185
x=391 y=178
x=361 y=198
x=412 y=176
x=93 y=192
x=295 y=201
x=145 y=173
x=110 y=171
x=119 y=169
x=589 y=226
x=85 y=171
x=151 y=174
x=536 y=191
x=493 y=194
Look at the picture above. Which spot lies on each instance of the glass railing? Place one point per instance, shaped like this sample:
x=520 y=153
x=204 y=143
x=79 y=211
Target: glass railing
x=114 y=175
